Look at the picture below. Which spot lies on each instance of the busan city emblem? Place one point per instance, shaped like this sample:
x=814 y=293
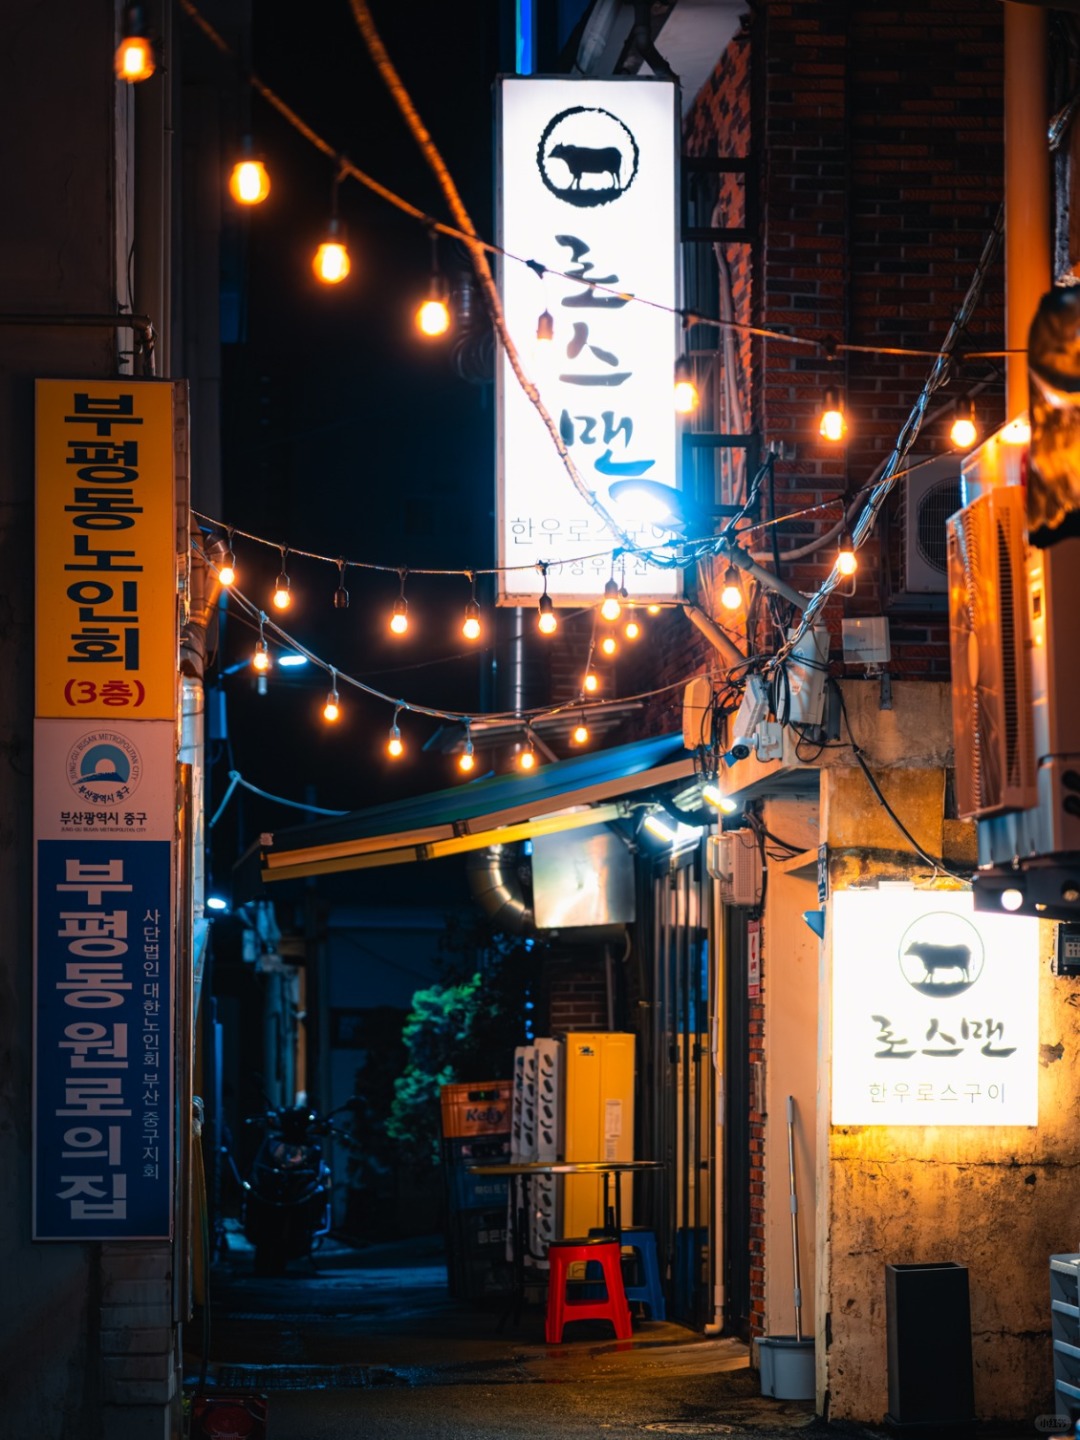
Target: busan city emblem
x=587 y=156
x=104 y=768
x=941 y=954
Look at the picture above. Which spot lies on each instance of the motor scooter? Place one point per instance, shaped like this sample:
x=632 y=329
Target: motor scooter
x=287 y=1193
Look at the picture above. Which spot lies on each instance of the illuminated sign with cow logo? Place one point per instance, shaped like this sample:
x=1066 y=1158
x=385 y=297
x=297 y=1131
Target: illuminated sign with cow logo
x=587 y=197
x=934 y=1011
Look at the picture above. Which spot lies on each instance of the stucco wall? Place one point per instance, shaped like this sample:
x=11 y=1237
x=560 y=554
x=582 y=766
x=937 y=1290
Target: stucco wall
x=1000 y=1201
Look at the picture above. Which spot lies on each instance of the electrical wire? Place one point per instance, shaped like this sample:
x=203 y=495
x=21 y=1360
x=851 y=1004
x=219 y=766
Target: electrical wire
x=935 y=864
x=468 y=236
x=936 y=378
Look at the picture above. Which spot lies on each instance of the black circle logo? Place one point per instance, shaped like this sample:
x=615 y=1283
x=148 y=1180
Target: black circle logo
x=587 y=156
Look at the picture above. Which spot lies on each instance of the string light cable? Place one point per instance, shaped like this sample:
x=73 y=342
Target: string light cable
x=469 y=237
x=267 y=626
x=935 y=864
x=235 y=779
x=936 y=378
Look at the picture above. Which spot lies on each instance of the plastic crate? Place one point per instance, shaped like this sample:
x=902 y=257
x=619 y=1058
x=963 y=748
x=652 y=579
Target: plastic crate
x=482 y=1108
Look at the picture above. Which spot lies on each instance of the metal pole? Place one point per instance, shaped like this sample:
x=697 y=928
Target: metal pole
x=794 y=1214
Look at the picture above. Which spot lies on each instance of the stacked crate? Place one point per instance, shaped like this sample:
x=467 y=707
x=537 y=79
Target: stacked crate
x=476 y=1131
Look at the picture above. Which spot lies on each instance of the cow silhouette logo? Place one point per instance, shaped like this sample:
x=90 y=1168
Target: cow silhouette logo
x=941 y=954
x=587 y=156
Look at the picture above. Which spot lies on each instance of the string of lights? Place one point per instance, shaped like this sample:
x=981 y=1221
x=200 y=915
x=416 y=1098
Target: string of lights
x=270 y=631
x=935 y=379
x=828 y=346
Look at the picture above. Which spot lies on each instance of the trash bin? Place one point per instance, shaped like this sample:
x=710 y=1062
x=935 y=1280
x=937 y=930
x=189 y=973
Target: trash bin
x=787 y=1367
x=928 y=1329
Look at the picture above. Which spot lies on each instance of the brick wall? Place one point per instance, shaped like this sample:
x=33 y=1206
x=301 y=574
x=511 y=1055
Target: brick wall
x=876 y=138
x=576 y=996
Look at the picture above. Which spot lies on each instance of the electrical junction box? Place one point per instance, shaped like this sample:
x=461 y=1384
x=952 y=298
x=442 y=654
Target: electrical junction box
x=754 y=709
x=866 y=641
x=697 y=713
x=733 y=858
x=1067 y=950
x=805 y=668
x=769 y=740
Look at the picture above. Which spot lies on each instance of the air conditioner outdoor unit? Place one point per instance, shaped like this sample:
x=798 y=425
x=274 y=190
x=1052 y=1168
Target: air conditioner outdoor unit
x=929 y=495
x=989 y=644
x=734 y=859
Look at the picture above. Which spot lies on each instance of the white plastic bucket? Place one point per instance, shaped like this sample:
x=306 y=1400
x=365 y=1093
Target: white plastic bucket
x=787 y=1367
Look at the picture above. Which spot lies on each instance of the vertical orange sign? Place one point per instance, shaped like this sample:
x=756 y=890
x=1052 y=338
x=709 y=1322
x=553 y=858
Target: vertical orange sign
x=106 y=642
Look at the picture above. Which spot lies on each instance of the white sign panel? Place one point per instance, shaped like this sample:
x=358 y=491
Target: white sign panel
x=102 y=778
x=587 y=186
x=935 y=1011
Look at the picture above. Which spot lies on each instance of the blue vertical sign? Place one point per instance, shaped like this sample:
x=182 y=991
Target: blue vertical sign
x=103 y=1051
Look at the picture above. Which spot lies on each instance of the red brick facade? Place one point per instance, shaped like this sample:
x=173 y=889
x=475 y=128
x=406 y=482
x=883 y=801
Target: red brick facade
x=875 y=139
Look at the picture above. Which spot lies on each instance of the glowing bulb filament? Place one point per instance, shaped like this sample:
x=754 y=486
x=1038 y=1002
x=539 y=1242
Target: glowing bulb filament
x=833 y=426
x=260 y=661
x=731 y=596
x=332 y=708
x=433 y=317
x=399 y=620
x=591 y=682
x=249 y=183
x=847 y=562
x=227 y=569
x=134 y=59
x=471 y=626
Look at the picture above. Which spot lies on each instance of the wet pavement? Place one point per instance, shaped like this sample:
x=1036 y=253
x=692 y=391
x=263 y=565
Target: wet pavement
x=370 y=1343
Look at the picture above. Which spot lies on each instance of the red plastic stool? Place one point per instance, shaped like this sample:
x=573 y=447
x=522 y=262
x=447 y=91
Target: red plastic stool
x=604 y=1251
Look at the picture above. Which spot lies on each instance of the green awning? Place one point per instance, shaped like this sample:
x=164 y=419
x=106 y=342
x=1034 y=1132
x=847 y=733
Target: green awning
x=585 y=790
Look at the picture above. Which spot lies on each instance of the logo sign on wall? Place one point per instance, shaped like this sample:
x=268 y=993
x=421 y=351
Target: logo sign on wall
x=587 y=186
x=934 y=1011
x=106 y=549
x=104 y=811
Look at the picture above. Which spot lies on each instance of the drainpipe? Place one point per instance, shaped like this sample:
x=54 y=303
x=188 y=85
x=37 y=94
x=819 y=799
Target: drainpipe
x=1027 y=189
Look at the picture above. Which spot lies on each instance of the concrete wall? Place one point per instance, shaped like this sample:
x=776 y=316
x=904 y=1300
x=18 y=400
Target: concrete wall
x=997 y=1200
x=790 y=971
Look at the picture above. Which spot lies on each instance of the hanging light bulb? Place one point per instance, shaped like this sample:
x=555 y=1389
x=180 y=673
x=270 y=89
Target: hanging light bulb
x=609 y=606
x=227 y=569
x=652 y=609
x=471 y=625
x=134 y=58
x=591 y=682
x=547 y=621
x=341 y=595
x=331 y=263
x=332 y=709
x=964 y=431
x=282 y=598
x=731 y=597
x=466 y=760
x=545 y=326
x=632 y=629
x=580 y=734
x=847 y=562
x=686 y=392
x=433 y=314
x=249 y=182
x=609 y=645
x=832 y=425
x=399 y=616
x=395 y=746
x=527 y=757
x=260 y=661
